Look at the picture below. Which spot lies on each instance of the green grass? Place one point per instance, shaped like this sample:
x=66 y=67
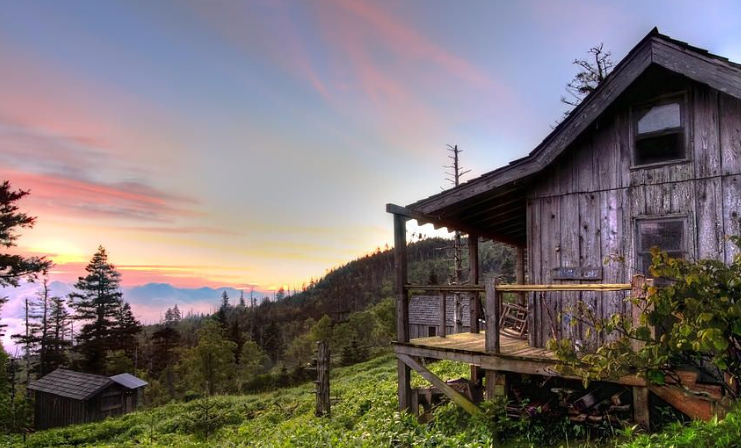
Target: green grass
x=364 y=416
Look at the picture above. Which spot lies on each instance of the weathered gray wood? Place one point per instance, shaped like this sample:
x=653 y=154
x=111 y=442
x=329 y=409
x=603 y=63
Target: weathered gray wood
x=731 y=214
x=705 y=132
x=402 y=308
x=641 y=414
x=709 y=218
x=590 y=255
x=730 y=134
x=520 y=273
x=534 y=269
x=449 y=392
x=323 y=404
x=492 y=317
x=443 y=314
x=474 y=271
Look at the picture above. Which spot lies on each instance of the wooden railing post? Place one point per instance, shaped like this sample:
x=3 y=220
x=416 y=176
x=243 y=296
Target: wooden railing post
x=492 y=317
x=402 y=307
x=443 y=314
x=473 y=279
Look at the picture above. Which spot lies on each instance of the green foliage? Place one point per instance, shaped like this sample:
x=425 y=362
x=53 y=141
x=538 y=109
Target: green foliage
x=13 y=267
x=210 y=365
x=695 y=311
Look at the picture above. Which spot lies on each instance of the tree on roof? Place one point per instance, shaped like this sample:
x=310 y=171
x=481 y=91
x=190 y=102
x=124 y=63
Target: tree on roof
x=592 y=71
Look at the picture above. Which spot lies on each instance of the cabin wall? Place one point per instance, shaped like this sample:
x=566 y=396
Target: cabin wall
x=52 y=410
x=583 y=209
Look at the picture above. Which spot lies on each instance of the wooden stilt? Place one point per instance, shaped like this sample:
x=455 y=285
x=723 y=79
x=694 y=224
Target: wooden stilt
x=402 y=308
x=451 y=393
x=641 y=413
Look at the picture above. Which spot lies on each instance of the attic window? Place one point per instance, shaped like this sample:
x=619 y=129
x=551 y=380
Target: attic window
x=659 y=132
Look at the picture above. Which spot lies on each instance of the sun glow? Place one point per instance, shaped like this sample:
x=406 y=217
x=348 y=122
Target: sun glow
x=61 y=252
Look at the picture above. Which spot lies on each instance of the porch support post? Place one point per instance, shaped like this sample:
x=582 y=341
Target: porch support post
x=491 y=338
x=474 y=306
x=443 y=387
x=402 y=308
x=473 y=279
x=520 y=273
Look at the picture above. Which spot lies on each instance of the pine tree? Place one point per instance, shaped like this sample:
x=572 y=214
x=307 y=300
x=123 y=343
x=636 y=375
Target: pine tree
x=242 y=303
x=13 y=268
x=57 y=344
x=29 y=339
x=224 y=300
x=126 y=329
x=97 y=303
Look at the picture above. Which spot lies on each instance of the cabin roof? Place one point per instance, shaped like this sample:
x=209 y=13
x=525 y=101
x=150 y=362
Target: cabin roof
x=494 y=203
x=71 y=384
x=81 y=386
x=129 y=381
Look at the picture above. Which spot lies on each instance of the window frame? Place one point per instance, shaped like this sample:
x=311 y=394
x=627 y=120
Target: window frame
x=688 y=247
x=685 y=128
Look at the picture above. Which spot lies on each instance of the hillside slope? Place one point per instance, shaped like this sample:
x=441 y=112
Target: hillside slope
x=364 y=416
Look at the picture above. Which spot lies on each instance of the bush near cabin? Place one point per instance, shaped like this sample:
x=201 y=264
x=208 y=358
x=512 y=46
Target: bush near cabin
x=690 y=317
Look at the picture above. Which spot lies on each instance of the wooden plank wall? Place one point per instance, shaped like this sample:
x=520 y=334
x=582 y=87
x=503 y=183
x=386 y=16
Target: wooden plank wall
x=583 y=209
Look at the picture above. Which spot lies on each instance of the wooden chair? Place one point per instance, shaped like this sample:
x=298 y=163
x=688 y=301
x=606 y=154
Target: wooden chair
x=513 y=322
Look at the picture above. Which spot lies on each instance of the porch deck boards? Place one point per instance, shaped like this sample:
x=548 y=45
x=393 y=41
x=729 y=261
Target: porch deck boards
x=474 y=342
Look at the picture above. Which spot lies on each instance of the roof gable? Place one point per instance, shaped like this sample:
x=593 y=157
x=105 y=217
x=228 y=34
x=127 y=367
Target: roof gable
x=676 y=56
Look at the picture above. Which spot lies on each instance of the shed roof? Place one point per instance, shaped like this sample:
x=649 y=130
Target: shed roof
x=494 y=204
x=129 y=381
x=71 y=384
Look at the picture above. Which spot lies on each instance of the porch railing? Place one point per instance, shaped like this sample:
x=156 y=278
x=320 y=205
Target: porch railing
x=493 y=301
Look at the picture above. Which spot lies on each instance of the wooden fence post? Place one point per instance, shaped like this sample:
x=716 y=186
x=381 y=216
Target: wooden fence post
x=323 y=404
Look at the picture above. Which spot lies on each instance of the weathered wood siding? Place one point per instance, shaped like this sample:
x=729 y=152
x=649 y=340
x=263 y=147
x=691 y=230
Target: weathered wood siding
x=52 y=411
x=582 y=209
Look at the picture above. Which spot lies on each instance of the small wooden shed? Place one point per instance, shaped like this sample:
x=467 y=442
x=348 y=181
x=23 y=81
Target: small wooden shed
x=65 y=397
x=425 y=316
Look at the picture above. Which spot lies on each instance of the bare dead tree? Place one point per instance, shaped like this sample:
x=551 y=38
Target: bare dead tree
x=592 y=71
x=454 y=176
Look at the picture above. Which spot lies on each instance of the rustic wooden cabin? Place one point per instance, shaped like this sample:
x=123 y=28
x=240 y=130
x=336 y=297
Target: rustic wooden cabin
x=651 y=158
x=65 y=397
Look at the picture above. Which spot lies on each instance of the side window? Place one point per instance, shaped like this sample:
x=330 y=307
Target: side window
x=668 y=234
x=659 y=131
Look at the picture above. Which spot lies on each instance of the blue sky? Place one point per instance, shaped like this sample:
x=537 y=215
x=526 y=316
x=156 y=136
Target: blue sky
x=241 y=144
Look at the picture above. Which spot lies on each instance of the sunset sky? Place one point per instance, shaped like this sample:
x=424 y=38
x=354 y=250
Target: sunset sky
x=238 y=143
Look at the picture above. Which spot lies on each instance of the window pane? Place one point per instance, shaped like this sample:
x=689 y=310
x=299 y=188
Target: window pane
x=659 y=118
x=660 y=148
x=667 y=235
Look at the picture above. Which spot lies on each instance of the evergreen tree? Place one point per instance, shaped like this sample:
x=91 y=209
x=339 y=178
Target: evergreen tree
x=224 y=300
x=13 y=268
x=57 y=344
x=235 y=335
x=209 y=366
x=126 y=329
x=29 y=339
x=242 y=303
x=97 y=303
x=165 y=343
